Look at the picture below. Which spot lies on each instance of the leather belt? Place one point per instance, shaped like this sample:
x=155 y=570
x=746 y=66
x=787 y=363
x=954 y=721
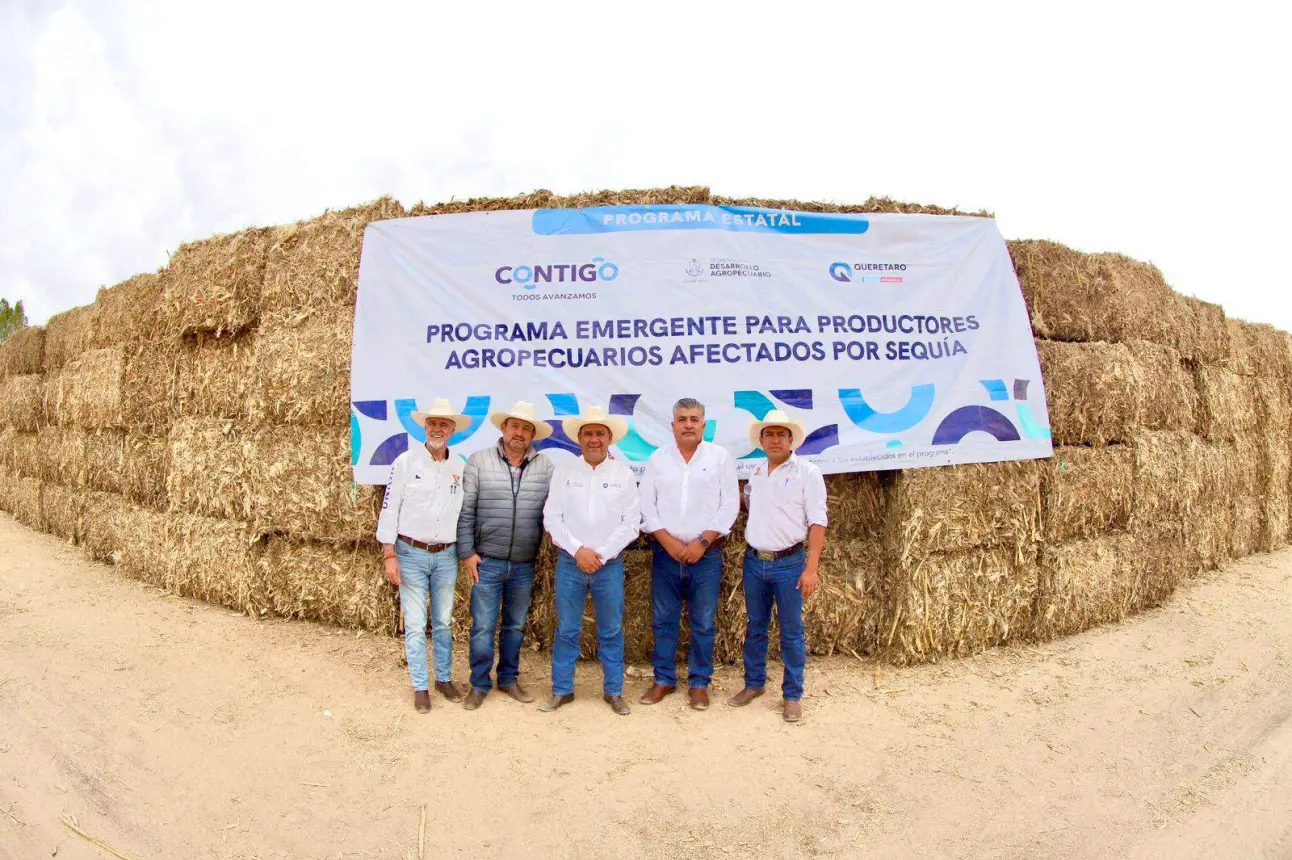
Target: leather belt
x=777 y=554
x=429 y=547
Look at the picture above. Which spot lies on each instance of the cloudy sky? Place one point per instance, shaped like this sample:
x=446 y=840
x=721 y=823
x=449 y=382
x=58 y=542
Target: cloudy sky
x=129 y=127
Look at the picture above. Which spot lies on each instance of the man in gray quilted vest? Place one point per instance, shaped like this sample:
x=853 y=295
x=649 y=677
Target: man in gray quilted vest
x=499 y=530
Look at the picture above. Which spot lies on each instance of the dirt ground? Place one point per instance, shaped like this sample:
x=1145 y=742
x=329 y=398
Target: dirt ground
x=170 y=728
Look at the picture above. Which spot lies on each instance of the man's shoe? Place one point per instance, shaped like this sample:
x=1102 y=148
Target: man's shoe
x=744 y=697
x=618 y=705
x=448 y=691
x=556 y=701
x=791 y=711
x=517 y=692
x=474 y=699
x=422 y=701
x=655 y=694
x=699 y=698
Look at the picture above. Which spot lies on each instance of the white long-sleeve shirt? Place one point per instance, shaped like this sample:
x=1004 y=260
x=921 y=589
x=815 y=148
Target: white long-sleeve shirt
x=423 y=498
x=784 y=504
x=598 y=508
x=688 y=499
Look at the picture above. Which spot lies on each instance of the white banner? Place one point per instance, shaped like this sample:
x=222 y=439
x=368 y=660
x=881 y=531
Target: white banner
x=898 y=340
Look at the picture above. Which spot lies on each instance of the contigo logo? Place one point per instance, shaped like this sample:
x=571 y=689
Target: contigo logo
x=530 y=276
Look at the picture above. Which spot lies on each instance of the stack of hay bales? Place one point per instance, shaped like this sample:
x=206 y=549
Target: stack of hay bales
x=192 y=426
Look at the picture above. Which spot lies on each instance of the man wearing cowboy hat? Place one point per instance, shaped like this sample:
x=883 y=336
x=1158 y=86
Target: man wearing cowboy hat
x=417 y=529
x=690 y=498
x=593 y=513
x=787 y=506
x=499 y=531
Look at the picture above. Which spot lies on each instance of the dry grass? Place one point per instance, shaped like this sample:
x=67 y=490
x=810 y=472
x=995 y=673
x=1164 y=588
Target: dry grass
x=213 y=376
x=1167 y=396
x=207 y=462
x=215 y=285
x=342 y=585
x=129 y=313
x=302 y=369
x=62 y=512
x=213 y=560
x=143 y=468
x=23 y=352
x=1084 y=583
x=1227 y=403
x=102 y=513
x=950 y=508
x=69 y=335
x=21 y=453
x=137 y=537
x=81 y=459
x=21 y=498
x=1087 y=492
x=88 y=391
x=22 y=399
x=1091 y=390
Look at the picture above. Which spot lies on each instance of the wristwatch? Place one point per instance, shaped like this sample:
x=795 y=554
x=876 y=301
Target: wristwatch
x=704 y=541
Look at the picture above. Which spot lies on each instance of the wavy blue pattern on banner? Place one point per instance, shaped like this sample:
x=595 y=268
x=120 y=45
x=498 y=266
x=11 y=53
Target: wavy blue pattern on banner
x=356 y=439
x=864 y=415
x=734 y=219
x=477 y=409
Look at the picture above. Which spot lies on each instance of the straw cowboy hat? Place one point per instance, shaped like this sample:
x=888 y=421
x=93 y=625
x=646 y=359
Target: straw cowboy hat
x=525 y=412
x=777 y=418
x=617 y=424
x=441 y=408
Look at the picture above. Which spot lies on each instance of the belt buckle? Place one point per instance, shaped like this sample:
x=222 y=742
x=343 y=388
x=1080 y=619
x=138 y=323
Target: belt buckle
x=765 y=555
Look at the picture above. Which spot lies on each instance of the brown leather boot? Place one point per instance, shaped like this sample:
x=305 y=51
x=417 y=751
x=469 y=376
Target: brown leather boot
x=744 y=697
x=474 y=699
x=556 y=701
x=422 y=701
x=655 y=694
x=517 y=692
x=699 y=698
x=448 y=691
x=618 y=705
x=791 y=711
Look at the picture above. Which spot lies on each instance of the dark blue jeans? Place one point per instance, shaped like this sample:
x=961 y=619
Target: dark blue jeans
x=572 y=587
x=504 y=587
x=671 y=582
x=767 y=582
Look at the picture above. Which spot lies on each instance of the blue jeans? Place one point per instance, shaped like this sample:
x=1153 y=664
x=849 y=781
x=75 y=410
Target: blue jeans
x=765 y=582
x=505 y=587
x=671 y=582
x=572 y=587
x=421 y=572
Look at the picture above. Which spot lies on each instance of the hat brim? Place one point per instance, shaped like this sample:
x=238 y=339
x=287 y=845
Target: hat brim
x=617 y=425
x=542 y=429
x=797 y=432
x=460 y=422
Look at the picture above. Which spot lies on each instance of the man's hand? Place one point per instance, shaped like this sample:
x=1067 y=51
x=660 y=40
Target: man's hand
x=392 y=570
x=472 y=564
x=587 y=560
x=808 y=581
x=692 y=552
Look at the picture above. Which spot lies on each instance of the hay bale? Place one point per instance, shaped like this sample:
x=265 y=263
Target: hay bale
x=544 y=199
x=102 y=515
x=22 y=399
x=88 y=391
x=855 y=505
x=1091 y=391
x=1087 y=492
x=1203 y=335
x=62 y=511
x=138 y=539
x=1167 y=394
x=341 y=585
x=1175 y=472
x=213 y=376
x=23 y=500
x=1084 y=583
x=213 y=560
x=207 y=463
x=1227 y=403
x=301 y=369
x=299 y=482
x=1239 y=355
x=950 y=508
x=215 y=285
x=129 y=313
x=1272 y=397
x=81 y=459
x=23 y=352
x=21 y=454
x=1275 y=481
x=1246 y=526
x=69 y=335
x=1164 y=556
x=953 y=604
x=143 y=467
x=1263 y=350
x=314 y=265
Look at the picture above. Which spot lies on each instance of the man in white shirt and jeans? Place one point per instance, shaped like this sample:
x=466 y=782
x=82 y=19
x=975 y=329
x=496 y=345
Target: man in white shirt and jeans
x=787 y=507
x=593 y=512
x=417 y=529
x=690 y=498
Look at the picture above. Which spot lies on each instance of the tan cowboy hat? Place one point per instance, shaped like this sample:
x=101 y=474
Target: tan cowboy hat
x=525 y=412
x=441 y=408
x=617 y=424
x=777 y=418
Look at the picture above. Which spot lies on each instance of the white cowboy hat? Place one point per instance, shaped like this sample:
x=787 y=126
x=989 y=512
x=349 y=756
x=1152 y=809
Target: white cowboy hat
x=777 y=418
x=525 y=412
x=441 y=408
x=617 y=424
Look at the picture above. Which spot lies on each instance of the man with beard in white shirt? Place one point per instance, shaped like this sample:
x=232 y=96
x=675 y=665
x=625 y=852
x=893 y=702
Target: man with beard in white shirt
x=593 y=512
x=417 y=529
x=690 y=498
x=786 y=532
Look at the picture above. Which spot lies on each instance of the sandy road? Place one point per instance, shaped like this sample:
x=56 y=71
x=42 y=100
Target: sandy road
x=173 y=729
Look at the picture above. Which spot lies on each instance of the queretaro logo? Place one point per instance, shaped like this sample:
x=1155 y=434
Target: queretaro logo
x=694 y=269
x=529 y=276
x=878 y=273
